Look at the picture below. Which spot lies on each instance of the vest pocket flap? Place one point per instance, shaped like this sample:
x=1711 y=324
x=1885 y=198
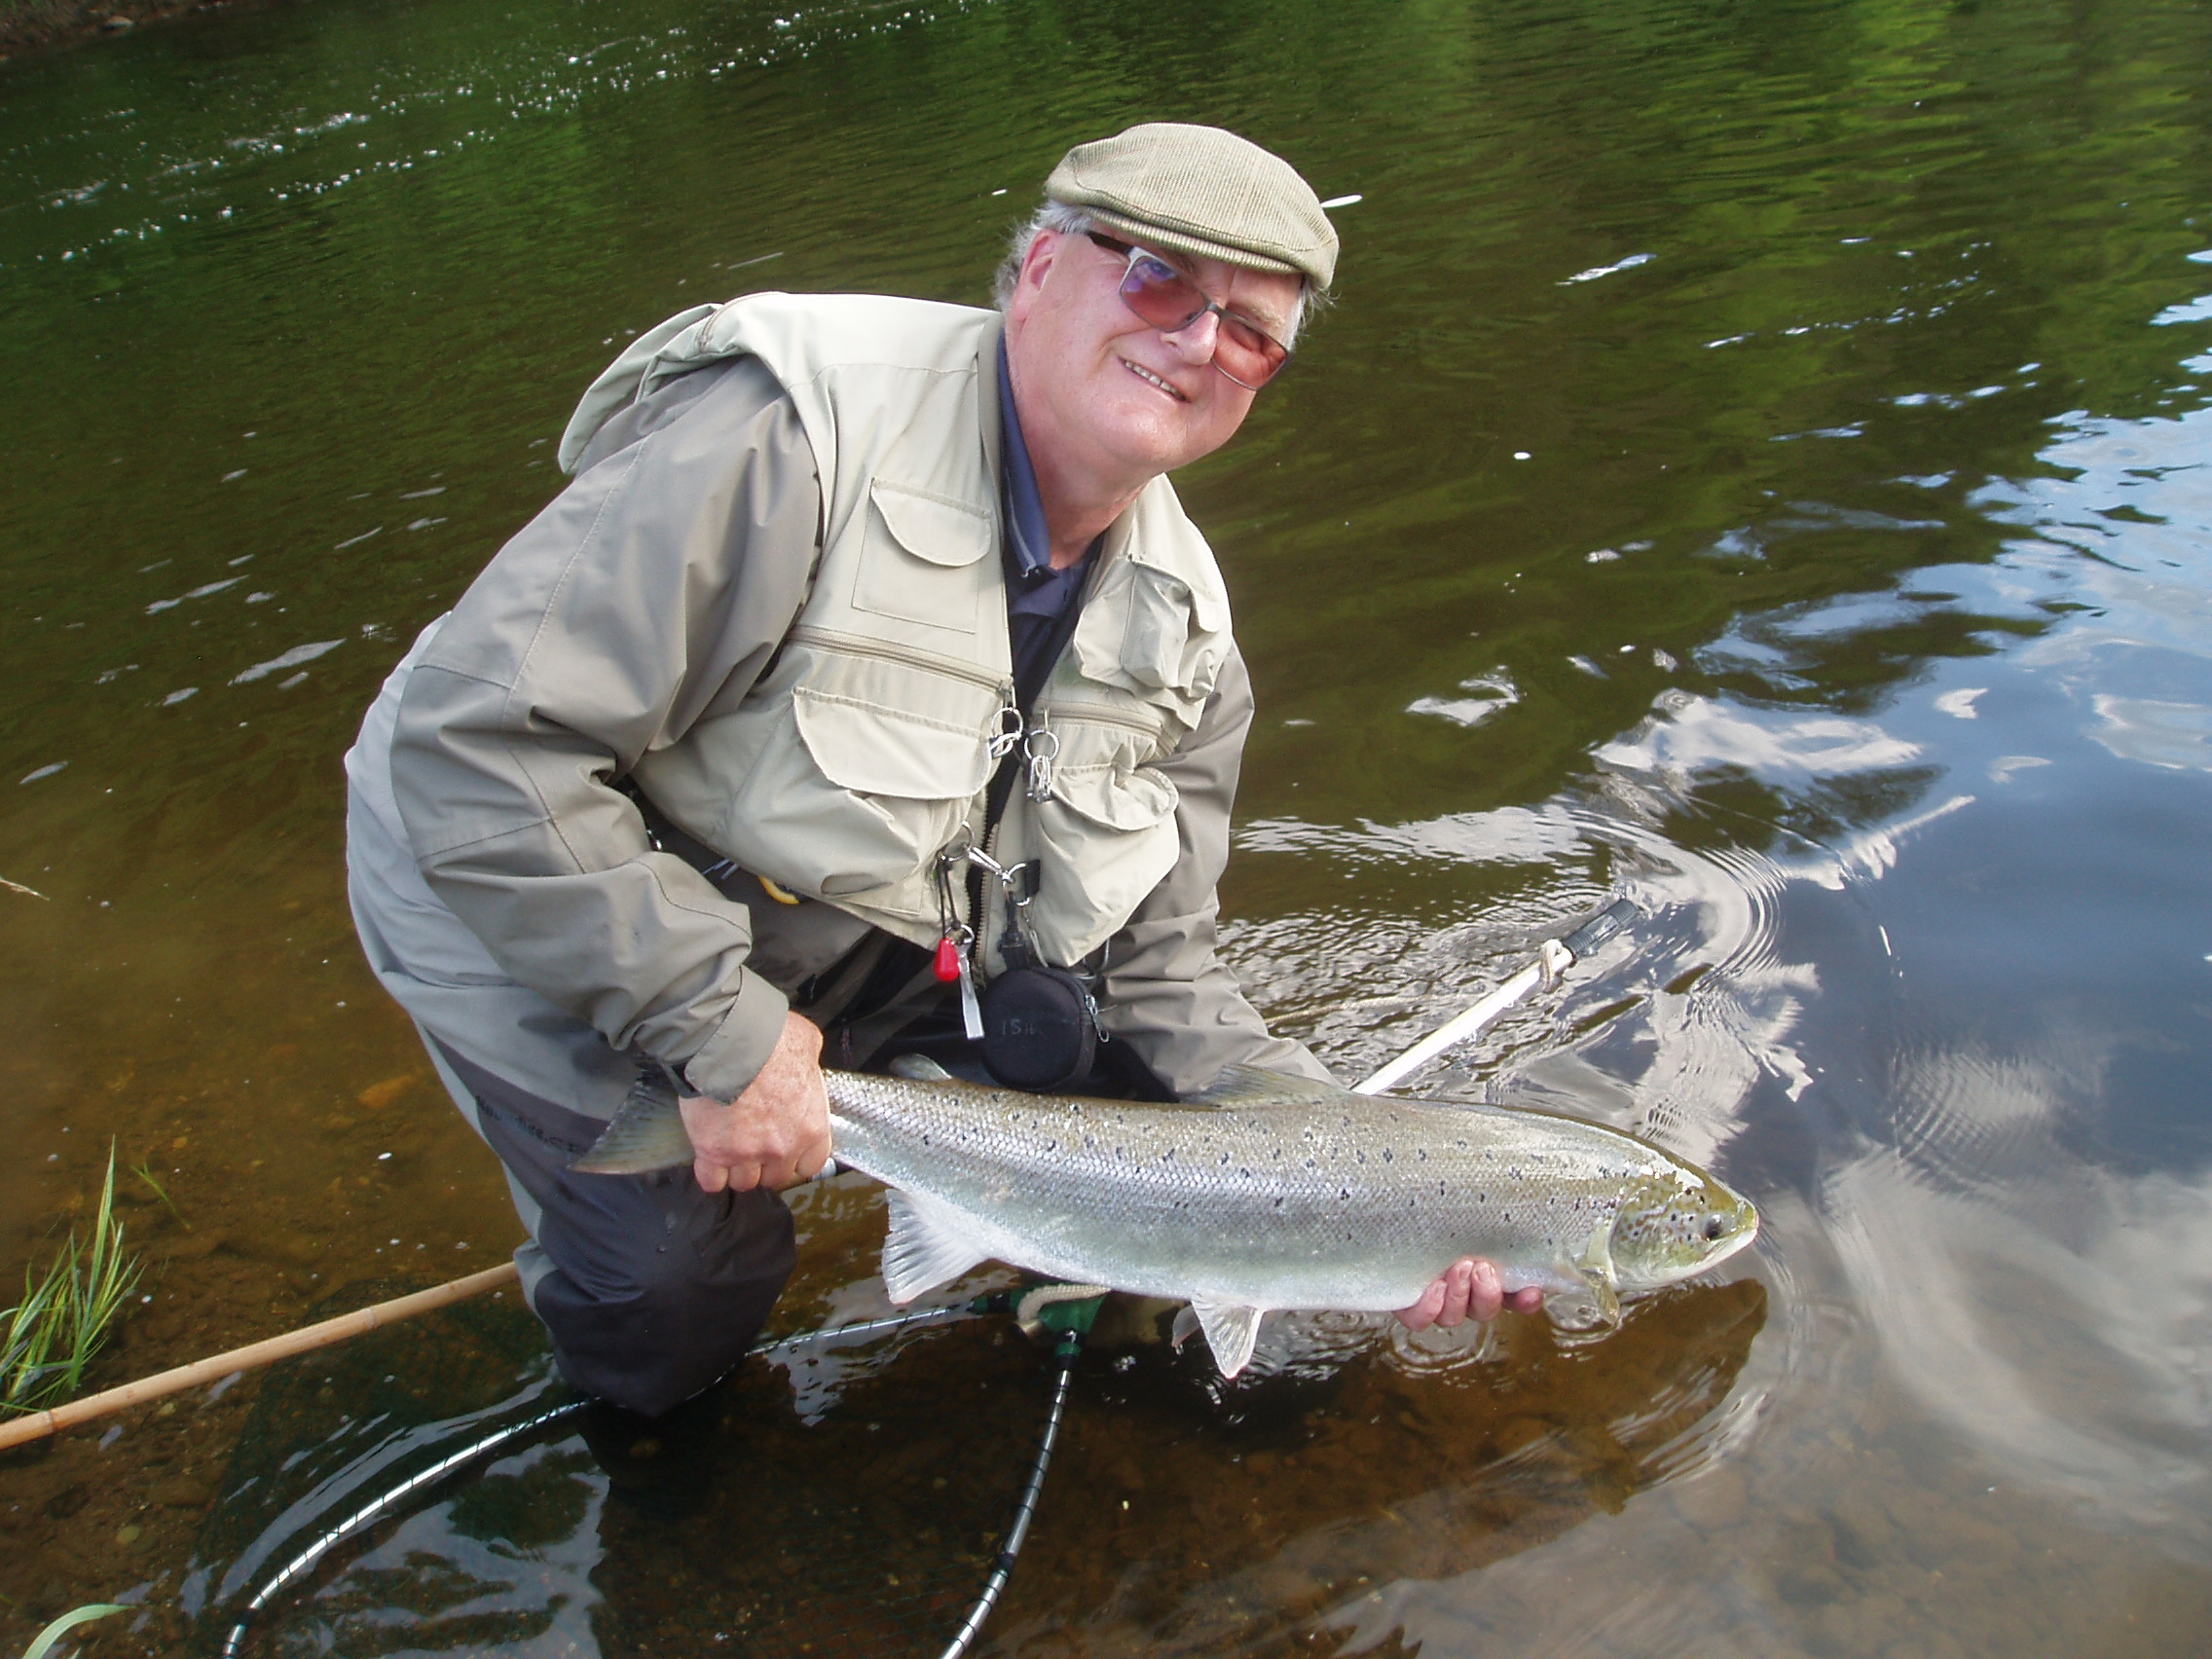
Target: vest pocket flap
x=930 y=529
x=885 y=751
x=1116 y=800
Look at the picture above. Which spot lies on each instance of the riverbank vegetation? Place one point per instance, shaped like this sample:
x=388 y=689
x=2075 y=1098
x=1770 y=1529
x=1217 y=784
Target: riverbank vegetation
x=49 y=1338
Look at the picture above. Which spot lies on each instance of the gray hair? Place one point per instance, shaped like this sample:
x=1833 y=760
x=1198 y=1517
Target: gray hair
x=1066 y=221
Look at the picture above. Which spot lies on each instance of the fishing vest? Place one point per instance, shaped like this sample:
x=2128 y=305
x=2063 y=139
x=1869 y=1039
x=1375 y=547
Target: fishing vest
x=865 y=748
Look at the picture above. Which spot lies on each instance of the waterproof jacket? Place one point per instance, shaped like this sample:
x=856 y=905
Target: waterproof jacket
x=773 y=602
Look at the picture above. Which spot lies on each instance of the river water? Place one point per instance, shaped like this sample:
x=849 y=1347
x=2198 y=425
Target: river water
x=1760 y=462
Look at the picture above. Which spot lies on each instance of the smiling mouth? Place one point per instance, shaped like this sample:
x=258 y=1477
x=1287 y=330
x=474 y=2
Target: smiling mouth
x=1150 y=378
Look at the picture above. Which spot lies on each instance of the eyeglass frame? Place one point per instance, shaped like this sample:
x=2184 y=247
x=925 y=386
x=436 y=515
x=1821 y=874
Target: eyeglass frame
x=1134 y=251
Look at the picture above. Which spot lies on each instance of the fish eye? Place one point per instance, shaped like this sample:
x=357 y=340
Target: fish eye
x=1715 y=1227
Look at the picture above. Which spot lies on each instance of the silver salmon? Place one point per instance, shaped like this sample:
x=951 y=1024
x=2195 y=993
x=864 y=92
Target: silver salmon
x=1266 y=1191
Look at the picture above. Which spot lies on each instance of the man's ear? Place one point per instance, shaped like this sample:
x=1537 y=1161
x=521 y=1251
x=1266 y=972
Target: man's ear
x=1036 y=265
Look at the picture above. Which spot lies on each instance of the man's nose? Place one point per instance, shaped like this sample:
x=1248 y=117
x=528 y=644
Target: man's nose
x=1195 y=339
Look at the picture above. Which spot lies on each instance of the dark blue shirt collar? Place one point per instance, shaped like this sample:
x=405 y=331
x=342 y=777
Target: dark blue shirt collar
x=1029 y=543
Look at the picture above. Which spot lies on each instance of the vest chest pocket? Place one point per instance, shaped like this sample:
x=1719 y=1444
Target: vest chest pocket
x=858 y=799
x=1117 y=827
x=1149 y=631
x=922 y=558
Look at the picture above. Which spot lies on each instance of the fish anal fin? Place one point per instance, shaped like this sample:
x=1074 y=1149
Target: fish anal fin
x=919 y=1068
x=1230 y=1329
x=921 y=1253
x=1249 y=1085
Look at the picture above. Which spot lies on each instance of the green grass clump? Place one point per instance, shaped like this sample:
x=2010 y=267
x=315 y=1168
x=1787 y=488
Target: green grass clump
x=48 y=1338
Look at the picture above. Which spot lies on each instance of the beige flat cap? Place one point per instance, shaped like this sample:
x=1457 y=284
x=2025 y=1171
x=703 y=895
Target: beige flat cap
x=1201 y=190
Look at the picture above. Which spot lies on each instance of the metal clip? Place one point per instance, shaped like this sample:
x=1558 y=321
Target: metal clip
x=1002 y=740
x=1040 y=748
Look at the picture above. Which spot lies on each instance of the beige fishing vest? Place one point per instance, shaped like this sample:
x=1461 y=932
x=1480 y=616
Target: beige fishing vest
x=865 y=748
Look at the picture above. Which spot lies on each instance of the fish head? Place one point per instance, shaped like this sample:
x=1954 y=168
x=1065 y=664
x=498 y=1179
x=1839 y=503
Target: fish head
x=1675 y=1225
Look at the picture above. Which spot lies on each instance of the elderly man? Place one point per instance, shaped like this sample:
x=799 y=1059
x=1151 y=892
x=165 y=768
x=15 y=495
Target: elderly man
x=869 y=680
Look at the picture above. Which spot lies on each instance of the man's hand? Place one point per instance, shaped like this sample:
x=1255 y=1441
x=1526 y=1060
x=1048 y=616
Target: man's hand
x=1468 y=1289
x=776 y=1134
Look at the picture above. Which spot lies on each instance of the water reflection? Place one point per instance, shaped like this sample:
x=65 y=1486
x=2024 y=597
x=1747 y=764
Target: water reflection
x=1757 y=466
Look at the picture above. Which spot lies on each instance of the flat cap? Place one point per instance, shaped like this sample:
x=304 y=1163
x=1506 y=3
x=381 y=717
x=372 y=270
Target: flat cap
x=1201 y=190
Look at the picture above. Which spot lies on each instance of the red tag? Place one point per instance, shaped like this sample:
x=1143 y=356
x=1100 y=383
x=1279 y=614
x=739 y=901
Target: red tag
x=947 y=966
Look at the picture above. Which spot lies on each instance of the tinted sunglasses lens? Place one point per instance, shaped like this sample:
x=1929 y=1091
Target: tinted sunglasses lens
x=1244 y=355
x=1161 y=294
x=1168 y=300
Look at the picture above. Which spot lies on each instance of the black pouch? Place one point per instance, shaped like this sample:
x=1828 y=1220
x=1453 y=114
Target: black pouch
x=1040 y=1028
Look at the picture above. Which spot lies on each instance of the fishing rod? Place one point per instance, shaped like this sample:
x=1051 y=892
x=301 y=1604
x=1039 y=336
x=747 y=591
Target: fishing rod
x=1554 y=957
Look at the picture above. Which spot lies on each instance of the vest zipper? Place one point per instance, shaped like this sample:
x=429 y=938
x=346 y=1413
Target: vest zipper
x=1092 y=715
x=855 y=645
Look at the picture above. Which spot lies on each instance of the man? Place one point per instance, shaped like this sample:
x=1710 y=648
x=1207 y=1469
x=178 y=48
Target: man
x=870 y=658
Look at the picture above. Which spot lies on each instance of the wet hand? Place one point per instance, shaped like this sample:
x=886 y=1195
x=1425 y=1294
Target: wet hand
x=1468 y=1289
x=776 y=1134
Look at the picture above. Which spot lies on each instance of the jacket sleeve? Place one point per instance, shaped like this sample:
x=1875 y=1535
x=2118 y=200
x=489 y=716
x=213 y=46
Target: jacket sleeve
x=1167 y=991
x=653 y=590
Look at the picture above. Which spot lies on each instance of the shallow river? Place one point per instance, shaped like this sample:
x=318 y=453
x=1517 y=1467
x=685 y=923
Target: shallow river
x=1761 y=464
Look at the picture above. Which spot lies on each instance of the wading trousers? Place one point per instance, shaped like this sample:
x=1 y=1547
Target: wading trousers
x=650 y=1288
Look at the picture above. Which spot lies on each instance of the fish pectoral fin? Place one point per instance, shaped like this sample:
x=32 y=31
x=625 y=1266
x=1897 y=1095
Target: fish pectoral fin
x=1251 y=1086
x=1186 y=1327
x=922 y=1253
x=645 y=1133
x=920 y=1068
x=1595 y=1302
x=1230 y=1329
x=1597 y=1269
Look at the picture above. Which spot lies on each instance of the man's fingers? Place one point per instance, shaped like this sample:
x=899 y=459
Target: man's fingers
x=1456 y=1280
x=1485 y=1290
x=1422 y=1314
x=1470 y=1288
x=712 y=1178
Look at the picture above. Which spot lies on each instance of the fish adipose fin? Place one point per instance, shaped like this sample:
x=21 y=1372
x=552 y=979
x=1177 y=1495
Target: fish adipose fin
x=1253 y=1085
x=920 y=1068
x=645 y=1133
x=1230 y=1330
x=921 y=1254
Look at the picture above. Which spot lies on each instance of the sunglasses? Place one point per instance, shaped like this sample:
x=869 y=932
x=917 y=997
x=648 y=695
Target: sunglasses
x=1168 y=300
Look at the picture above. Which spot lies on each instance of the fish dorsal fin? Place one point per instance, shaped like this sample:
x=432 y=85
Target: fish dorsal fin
x=1230 y=1329
x=645 y=1133
x=1252 y=1086
x=921 y=1252
x=920 y=1068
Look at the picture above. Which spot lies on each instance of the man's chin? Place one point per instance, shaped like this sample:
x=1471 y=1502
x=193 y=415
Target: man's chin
x=1150 y=440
